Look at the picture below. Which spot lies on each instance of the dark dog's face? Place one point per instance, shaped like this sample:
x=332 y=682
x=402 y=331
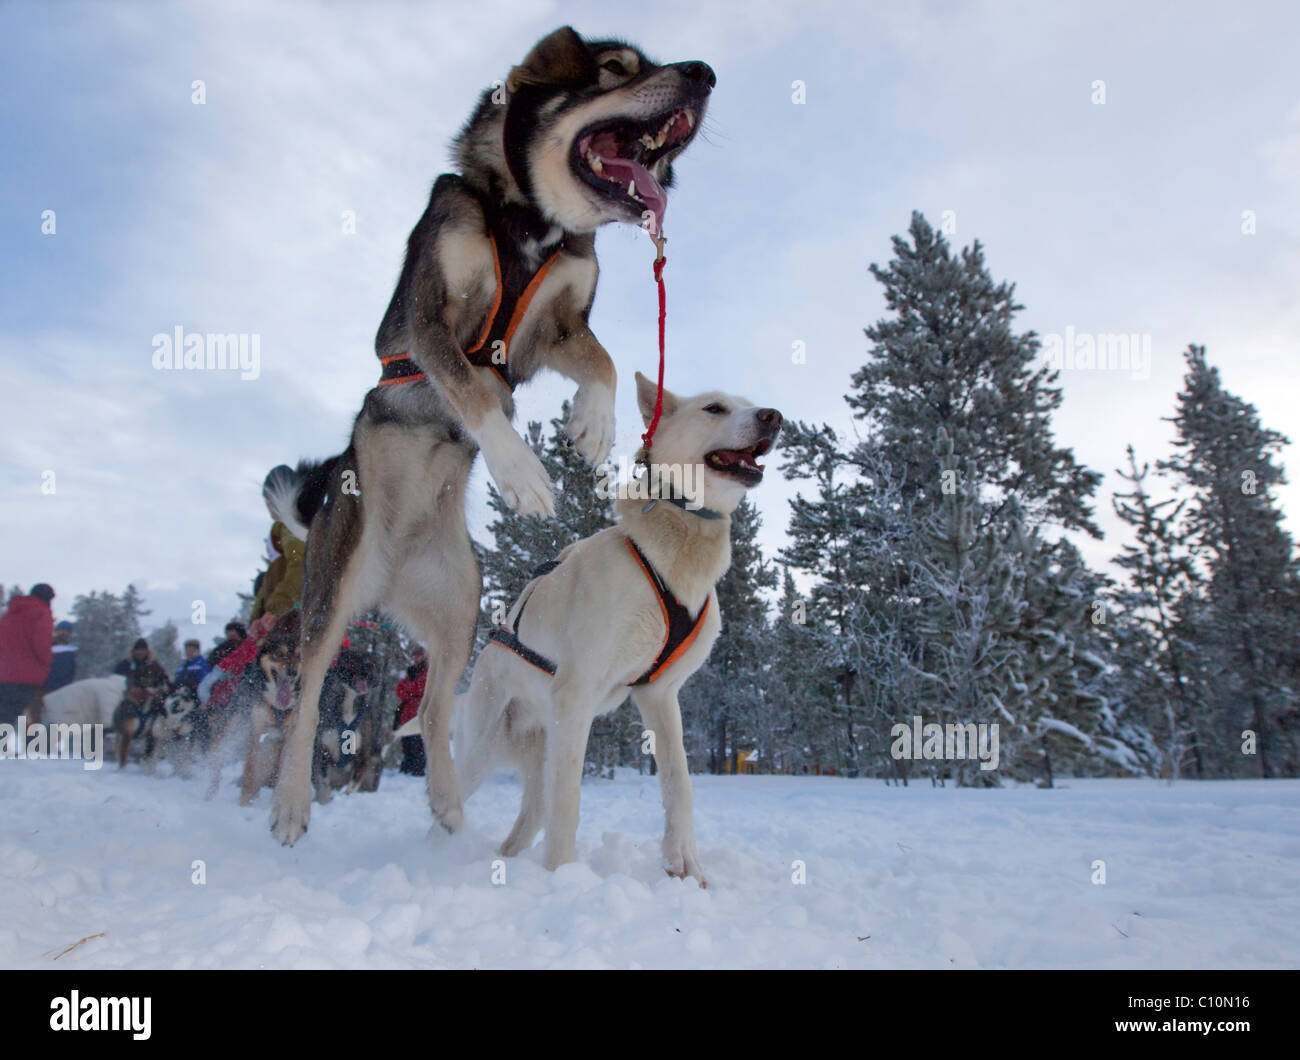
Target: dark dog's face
x=278 y=661
x=353 y=668
x=592 y=128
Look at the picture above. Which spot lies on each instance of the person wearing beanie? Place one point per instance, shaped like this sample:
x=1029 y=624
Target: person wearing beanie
x=142 y=670
x=195 y=667
x=26 y=651
x=235 y=634
x=63 y=668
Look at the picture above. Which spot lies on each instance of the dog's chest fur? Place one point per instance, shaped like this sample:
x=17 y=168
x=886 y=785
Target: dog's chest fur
x=451 y=278
x=464 y=255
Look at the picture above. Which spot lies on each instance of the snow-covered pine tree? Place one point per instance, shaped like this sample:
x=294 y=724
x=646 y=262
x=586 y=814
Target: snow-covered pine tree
x=726 y=700
x=107 y=626
x=789 y=683
x=1074 y=712
x=166 y=646
x=949 y=358
x=827 y=538
x=883 y=638
x=1247 y=621
x=1154 y=646
x=970 y=581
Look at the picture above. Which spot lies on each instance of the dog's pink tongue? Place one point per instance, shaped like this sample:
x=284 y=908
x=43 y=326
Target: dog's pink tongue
x=625 y=171
x=283 y=693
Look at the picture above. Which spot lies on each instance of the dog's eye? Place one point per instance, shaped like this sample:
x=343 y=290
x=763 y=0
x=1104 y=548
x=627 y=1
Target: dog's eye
x=614 y=67
x=716 y=409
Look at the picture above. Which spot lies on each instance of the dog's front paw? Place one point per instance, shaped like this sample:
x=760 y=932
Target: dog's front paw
x=451 y=820
x=519 y=475
x=591 y=424
x=289 y=815
x=682 y=860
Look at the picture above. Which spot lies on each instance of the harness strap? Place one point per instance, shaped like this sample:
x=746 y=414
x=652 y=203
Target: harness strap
x=143 y=715
x=399 y=368
x=509 y=638
x=482 y=353
x=680 y=629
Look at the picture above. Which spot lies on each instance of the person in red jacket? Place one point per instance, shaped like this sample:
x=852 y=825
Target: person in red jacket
x=409 y=693
x=26 y=650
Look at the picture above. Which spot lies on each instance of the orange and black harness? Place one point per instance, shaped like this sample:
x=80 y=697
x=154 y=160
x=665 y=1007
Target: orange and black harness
x=680 y=629
x=515 y=289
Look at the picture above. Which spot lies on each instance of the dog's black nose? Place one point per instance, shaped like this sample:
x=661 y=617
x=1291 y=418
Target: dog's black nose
x=702 y=73
x=770 y=418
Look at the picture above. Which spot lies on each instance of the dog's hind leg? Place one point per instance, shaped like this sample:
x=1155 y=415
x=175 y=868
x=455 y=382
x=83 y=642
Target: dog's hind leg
x=440 y=603
x=291 y=804
x=125 y=734
x=566 y=748
x=480 y=724
x=436 y=710
x=332 y=594
x=527 y=751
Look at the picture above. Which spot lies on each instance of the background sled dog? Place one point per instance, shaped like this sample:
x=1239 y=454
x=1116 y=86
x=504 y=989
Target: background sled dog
x=350 y=737
x=633 y=605
x=251 y=726
x=498 y=282
x=90 y=701
x=268 y=694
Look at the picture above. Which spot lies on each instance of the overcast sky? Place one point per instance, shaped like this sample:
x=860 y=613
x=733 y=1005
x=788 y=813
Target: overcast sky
x=1122 y=217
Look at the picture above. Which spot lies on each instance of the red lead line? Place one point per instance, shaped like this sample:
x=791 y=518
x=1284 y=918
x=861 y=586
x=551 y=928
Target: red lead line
x=659 y=263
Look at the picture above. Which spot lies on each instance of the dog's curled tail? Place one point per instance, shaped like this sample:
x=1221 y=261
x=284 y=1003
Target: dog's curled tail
x=295 y=496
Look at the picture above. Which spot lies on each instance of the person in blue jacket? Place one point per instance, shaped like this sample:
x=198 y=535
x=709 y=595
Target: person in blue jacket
x=194 y=669
x=63 y=667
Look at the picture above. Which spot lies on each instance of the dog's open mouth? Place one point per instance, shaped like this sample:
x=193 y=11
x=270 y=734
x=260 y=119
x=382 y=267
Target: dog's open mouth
x=283 y=692
x=741 y=464
x=616 y=156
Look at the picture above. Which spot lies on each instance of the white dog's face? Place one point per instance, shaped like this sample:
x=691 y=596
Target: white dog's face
x=719 y=436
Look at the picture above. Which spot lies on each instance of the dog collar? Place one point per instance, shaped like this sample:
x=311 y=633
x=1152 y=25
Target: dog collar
x=681 y=502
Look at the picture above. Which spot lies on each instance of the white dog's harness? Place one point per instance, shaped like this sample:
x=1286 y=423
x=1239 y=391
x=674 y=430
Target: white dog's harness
x=680 y=629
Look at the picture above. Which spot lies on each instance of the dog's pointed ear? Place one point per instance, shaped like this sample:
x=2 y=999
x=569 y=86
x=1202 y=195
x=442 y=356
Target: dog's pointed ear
x=645 y=399
x=560 y=58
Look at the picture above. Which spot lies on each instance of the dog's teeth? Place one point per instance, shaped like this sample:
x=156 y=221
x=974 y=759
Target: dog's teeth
x=690 y=119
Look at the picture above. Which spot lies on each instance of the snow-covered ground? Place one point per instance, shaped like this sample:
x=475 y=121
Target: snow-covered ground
x=1197 y=875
